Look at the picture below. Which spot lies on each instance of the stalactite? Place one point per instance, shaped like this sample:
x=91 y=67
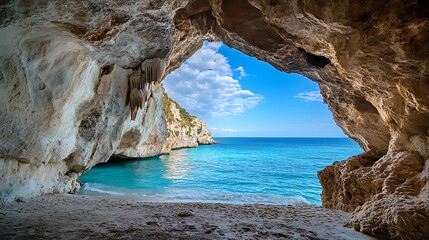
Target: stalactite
x=154 y=69
x=135 y=79
x=137 y=99
x=138 y=82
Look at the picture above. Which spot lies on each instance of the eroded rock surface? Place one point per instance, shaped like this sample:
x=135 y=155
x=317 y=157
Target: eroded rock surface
x=64 y=85
x=65 y=69
x=388 y=196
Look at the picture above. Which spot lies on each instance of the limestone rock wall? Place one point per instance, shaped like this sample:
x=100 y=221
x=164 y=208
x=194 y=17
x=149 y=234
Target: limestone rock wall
x=59 y=111
x=184 y=129
x=64 y=73
x=65 y=68
x=145 y=136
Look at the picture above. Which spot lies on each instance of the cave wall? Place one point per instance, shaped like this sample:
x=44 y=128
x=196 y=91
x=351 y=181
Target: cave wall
x=64 y=72
x=64 y=86
x=370 y=60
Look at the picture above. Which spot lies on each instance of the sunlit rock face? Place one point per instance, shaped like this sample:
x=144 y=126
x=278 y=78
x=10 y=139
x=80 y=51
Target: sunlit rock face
x=65 y=70
x=184 y=129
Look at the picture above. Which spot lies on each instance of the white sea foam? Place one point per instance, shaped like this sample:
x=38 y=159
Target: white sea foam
x=229 y=197
x=184 y=195
x=87 y=188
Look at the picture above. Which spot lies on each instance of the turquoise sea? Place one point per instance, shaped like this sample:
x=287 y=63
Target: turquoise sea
x=238 y=170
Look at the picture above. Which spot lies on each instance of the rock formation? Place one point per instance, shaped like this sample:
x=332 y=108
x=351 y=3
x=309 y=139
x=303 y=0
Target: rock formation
x=185 y=130
x=64 y=88
x=146 y=134
x=153 y=70
x=161 y=126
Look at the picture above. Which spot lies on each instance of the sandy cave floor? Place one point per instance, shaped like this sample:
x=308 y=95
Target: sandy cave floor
x=93 y=217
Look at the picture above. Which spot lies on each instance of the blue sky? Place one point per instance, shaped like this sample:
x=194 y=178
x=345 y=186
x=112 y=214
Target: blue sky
x=240 y=96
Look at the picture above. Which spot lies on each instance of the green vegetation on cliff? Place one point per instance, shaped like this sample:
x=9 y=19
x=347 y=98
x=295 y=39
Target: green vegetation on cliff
x=166 y=105
x=186 y=118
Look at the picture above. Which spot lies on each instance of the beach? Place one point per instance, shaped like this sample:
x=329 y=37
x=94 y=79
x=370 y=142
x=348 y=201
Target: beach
x=124 y=217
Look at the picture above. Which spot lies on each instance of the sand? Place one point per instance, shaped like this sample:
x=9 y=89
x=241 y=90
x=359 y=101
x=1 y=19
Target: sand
x=101 y=217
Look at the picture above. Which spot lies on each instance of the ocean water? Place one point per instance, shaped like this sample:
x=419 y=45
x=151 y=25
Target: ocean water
x=238 y=170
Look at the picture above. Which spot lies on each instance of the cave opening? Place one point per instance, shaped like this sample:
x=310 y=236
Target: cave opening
x=239 y=102
x=65 y=78
x=273 y=138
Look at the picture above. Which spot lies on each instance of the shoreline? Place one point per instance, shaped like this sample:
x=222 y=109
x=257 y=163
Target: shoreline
x=119 y=157
x=95 y=217
x=191 y=196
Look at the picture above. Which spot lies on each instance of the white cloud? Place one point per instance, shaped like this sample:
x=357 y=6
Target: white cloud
x=204 y=85
x=224 y=130
x=310 y=96
x=242 y=72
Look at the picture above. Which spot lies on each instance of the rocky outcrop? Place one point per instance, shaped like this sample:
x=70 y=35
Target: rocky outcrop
x=161 y=126
x=65 y=70
x=184 y=129
x=387 y=194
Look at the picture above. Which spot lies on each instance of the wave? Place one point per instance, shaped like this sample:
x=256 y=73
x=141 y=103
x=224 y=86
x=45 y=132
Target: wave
x=185 y=195
x=86 y=187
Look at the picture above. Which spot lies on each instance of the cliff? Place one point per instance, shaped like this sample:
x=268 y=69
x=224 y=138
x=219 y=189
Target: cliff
x=161 y=125
x=184 y=129
x=74 y=75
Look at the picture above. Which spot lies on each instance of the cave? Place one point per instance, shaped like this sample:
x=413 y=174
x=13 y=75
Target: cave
x=65 y=75
x=288 y=116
